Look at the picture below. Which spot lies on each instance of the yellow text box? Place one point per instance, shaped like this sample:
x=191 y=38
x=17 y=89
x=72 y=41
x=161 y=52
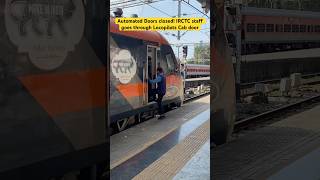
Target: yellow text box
x=159 y=24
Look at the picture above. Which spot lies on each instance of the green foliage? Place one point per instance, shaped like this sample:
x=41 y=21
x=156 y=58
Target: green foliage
x=201 y=52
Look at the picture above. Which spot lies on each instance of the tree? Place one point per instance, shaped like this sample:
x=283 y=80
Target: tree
x=201 y=52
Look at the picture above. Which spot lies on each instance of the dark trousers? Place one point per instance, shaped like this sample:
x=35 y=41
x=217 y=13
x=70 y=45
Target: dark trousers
x=159 y=101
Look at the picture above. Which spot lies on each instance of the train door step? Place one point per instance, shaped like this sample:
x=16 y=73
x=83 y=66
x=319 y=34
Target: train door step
x=150 y=114
x=152 y=104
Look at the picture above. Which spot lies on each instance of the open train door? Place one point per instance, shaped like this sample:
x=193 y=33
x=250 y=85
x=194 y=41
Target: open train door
x=53 y=89
x=151 y=71
x=222 y=76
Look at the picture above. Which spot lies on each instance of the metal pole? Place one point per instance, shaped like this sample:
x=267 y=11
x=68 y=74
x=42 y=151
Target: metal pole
x=179 y=15
x=238 y=52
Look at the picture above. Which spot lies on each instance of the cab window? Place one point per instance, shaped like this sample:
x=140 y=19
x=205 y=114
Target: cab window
x=170 y=62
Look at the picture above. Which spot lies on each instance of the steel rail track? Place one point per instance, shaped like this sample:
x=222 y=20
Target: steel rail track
x=266 y=116
x=187 y=100
x=246 y=86
x=251 y=84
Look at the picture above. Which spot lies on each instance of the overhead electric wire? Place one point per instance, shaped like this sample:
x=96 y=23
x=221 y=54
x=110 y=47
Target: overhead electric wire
x=134 y=4
x=121 y=2
x=180 y=44
x=128 y=5
x=195 y=8
x=157 y=9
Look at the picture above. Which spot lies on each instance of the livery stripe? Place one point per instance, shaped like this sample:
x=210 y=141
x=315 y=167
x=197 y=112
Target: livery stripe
x=60 y=93
x=136 y=89
x=131 y=90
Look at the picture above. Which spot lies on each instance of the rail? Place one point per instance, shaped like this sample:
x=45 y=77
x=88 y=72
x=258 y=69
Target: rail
x=266 y=116
x=251 y=84
x=197 y=79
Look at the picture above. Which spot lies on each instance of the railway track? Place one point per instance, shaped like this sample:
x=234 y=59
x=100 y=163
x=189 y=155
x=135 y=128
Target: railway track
x=276 y=114
x=195 y=97
x=246 y=86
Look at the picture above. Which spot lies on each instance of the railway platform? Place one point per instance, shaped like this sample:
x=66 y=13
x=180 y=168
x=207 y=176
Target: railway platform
x=286 y=149
x=176 y=147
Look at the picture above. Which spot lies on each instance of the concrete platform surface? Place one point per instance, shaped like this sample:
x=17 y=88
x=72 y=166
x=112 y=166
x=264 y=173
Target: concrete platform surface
x=198 y=167
x=264 y=152
x=159 y=149
x=132 y=141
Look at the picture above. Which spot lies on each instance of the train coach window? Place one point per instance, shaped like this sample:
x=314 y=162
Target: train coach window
x=270 y=28
x=261 y=28
x=279 y=28
x=295 y=28
x=287 y=28
x=317 y=28
x=251 y=28
x=303 y=28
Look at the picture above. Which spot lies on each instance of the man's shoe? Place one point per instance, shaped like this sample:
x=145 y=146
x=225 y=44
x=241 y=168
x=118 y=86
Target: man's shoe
x=161 y=117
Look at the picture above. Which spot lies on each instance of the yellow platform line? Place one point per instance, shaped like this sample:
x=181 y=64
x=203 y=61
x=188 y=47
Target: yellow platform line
x=169 y=164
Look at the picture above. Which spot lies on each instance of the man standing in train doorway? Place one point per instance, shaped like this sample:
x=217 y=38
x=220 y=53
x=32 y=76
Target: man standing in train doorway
x=161 y=90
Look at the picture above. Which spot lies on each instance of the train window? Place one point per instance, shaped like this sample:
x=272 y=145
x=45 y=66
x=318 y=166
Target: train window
x=261 y=28
x=270 y=28
x=279 y=28
x=287 y=28
x=295 y=28
x=170 y=63
x=309 y=28
x=251 y=28
x=163 y=64
x=303 y=28
x=317 y=28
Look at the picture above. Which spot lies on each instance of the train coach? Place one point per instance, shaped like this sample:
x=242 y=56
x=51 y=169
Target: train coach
x=197 y=70
x=271 y=30
x=134 y=58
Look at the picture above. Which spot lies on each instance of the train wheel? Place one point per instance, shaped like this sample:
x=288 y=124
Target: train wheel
x=122 y=124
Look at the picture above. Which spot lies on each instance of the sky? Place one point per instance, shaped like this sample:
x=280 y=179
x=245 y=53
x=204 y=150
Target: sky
x=170 y=7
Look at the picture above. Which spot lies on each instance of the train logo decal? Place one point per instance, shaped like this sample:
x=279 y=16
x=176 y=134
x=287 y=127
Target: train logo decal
x=124 y=66
x=45 y=29
x=172 y=91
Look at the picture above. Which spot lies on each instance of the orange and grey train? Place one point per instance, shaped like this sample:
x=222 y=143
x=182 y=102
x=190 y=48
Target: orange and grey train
x=134 y=58
x=52 y=90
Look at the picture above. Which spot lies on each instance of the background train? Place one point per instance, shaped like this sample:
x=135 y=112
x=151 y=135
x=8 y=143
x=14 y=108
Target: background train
x=195 y=70
x=277 y=42
x=134 y=58
x=273 y=30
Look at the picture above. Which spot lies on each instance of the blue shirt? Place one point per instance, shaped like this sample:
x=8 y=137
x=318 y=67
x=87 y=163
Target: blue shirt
x=161 y=81
x=156 y=80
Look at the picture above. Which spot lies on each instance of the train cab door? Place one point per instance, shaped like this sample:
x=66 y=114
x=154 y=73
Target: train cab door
x=151 y=72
